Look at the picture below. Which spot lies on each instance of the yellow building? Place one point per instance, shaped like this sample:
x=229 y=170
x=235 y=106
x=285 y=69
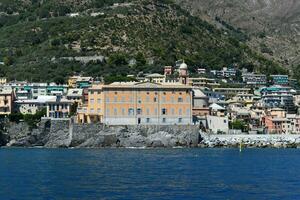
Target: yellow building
x=133 y=103
x=203 y=82
x=6 y=99
x=3 y=80
x=72 y=81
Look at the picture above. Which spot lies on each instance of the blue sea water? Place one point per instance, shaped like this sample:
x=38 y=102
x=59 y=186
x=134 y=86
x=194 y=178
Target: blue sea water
x=149 y=174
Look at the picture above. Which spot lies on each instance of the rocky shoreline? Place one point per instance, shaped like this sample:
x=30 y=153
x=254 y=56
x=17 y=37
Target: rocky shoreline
x=250 y=141
x=65 y=134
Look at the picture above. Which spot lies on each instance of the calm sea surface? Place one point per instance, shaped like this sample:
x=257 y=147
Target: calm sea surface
x=149 y=174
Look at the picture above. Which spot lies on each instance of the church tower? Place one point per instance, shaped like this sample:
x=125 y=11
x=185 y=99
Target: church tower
x=183 y=73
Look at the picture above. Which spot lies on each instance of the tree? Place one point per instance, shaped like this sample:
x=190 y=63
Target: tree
x=117 y=59
x=59 y=79
x=239 y=125
x=8 y=61
x=140 y=59
x=73 y=109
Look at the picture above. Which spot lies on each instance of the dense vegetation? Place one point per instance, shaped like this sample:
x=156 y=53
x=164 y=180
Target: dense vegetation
x=31 y=120
x=35 y=35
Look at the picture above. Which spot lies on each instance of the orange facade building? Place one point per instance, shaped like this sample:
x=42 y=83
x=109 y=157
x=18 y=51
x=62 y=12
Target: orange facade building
x=133 y=103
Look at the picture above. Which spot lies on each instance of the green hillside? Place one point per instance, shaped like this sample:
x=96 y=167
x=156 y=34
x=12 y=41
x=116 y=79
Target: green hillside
x=36 y=34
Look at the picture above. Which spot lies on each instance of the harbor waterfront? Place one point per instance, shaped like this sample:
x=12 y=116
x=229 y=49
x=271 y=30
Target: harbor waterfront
x=66 y=134
x=149 y=174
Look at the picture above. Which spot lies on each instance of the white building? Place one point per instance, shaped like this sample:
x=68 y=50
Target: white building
x=217 y=124
x=58 y=107
x=31 y=106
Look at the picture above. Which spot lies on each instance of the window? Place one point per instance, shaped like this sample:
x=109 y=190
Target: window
x=155 y=111
x=107 y=99
x=173 y=111
x=148 y=120
x=139 y=100
x=123 y=99
x=180 y=111
x=130 y=111
x=148 y=111
x=115 y=111
x=92 y=92
x=180 y=99
x=225 y=121
x=187 y=111
x=187 y=99
x=107 y=111
x=98 y=100
x=92 y=110
x=139 y=111
x=99 y=110
x=164 y=120
x=172 y=99
x=164 y=111
x=155 y=99
x=91 y=101
x=163 y=99
x=147 y=99
x=123 y=111
x=99 y=92
x=179 y=120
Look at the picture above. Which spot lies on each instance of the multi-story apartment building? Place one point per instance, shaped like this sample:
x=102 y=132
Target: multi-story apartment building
x=277 y=96
x=58 y=107
x=254 y=79
x=225 y=72
x=231 y=92
x=280 y=80
x=75 y=95
x=200 y=103
x=31 y=106
x=79 y=82
x=203 y=82
x=133 y=103
x=6 y=101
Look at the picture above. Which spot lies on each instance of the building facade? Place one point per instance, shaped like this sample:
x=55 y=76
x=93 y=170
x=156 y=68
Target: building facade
x=254 y=79
x=231 y=92
x=276 y=96
x=280 y=80
x=58 y=108
x=133 y=103
x=6 y=101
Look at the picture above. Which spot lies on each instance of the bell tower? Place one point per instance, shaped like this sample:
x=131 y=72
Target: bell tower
x=183 y=73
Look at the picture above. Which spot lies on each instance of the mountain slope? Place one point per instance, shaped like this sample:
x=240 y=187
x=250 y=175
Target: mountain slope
x=35 y=34
x=273 y=25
